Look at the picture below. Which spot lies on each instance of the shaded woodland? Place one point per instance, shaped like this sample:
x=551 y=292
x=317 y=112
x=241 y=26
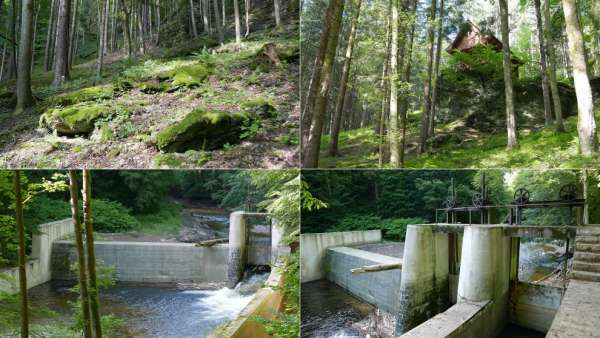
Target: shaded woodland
x=450 y=83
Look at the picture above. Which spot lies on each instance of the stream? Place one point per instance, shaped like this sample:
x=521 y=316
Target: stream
x=154 y=311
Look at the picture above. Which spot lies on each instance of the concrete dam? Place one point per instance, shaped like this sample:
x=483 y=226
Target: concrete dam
x=461 y=280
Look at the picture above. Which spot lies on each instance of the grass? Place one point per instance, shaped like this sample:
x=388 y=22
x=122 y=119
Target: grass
x=541 y=149
x=166 y=221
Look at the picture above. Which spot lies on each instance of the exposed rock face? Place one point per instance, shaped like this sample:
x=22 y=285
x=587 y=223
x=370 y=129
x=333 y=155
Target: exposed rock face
x=78 y=119
x=195 y=228
x=202 y=130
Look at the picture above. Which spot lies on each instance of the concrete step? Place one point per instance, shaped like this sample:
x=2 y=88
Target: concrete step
x=587 y=247
x=587 y=276
x=590 y=239
x=588 y=230
x=586 y=266
x=587 y=257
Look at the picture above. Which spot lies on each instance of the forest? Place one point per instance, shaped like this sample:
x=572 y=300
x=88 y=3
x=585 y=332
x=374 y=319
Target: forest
x=149 y=83
x=142 y=205
x=389 y=200
x=450 y=83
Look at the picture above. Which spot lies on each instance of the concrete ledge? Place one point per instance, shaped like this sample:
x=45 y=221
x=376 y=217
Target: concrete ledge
x=464 y=320
x=380 y=289
x=579 y=312
x=314 y=245
x=523 y=231
x=534 y=306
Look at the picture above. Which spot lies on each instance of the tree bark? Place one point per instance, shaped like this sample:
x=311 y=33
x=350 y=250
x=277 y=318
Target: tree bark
x=12 y=69
x=384 y=85
x=311 y=155
x=425 y=116
x=393 y=132
x=22 y=259
x=127 y=29
x=238 y=25
x=194 y=29
x=276 y=7
x=337 y=117
x=73 y=34
x=543 y=64
x=436 y=71
x=81 y=261
x=103 y=25
x=586 y=125
x=247 y=17
x=218 y=21
x=158 y=21
x=24 y=95
x=61 y=52
x=551 y=69
x=91 y=255
x=508 y=86
x=407 y=72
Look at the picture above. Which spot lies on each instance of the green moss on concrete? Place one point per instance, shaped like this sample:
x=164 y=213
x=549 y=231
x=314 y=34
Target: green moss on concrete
x=78 y=119
x=203 y=130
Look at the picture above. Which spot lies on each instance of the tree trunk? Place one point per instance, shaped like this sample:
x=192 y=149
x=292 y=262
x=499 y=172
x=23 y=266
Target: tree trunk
x=141 y=37
x=276 y=6
x=91 y=254
x=158 y=22
x=551 y=69
x=238 y=25
x=334 y=16
x=393 y=132
x=384 y=85
x=103 y=24
x=218 y=21
x=73 y=35
x=508 y=86
x=24 y=96
x=22 y=259
x=127 y=29
x=247 y=17
x=35 y=24
x=223 y=22
x=337 y=117
x=12 y=69
x=407 y=72
x=194 y=29
x=61 y=52
x=436 y=71
x=543 y=64
x=81 y=261
x=586 y=125
x=426 y=116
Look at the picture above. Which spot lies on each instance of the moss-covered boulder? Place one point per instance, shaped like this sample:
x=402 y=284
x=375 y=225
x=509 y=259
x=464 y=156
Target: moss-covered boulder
x=260 y=107
x=202 y=130
x=83 y=95
x=188 y=76
x=152 y=86
x=78 y=119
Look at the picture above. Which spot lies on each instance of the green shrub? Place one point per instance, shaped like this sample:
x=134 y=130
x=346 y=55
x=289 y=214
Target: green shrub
x=44 y=209
x=392 y=228
x=111 y=216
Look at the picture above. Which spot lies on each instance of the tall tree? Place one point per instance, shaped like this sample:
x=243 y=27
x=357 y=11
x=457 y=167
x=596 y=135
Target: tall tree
x=393 y=132
x=384 y=84
x=218 y=21
x=337 y=117
x=50 y=37
x=24 y=96
x=61 y=51
x=436 y=70
x=238 y=25
x=586 y=125
x=81 y=261
x=277 y=10
x=507 y=67
x=103 y=30
x=193 y=17
x=91 y=255
x=73 y=32
x=543 y=64
x=403 y=109
x=22 y=259
x=127 y=11
x=551 y=69
x=12 y=62
x=313 y=144
x=247 y=17
x=426 y=115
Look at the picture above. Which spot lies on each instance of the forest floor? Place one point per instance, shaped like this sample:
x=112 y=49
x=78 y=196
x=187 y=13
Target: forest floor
x=539 y=148
x=127 y=138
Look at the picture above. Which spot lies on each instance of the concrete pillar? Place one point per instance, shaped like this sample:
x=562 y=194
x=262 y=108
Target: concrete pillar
x=424 y=280
x=237 y=248
x=484 y=273
x=278 y=248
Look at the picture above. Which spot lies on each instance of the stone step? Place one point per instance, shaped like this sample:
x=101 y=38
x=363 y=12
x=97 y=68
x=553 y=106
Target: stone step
x=586 y=266
x=587 y=276
x=588 y=230
x=587 y=257
x=587 y=247
x=590 y=239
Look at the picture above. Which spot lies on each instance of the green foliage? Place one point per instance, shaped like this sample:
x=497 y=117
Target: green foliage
x=111 y=216
x=83 y=95
x=392 y=228
x=44 y=209
x=250 y=128
x=165 y=220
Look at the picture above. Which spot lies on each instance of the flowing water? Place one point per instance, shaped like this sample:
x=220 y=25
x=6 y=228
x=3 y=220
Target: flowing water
x=158 y=310
x=539 y=258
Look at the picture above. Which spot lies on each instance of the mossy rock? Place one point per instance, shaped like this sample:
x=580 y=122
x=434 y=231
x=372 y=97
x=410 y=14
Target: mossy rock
x=266 y=57
x=260 y=107
x=83 y=95
x=187 y=76
x=152 y=86
x=202 y=130
x=289 y=53
x=78 y=119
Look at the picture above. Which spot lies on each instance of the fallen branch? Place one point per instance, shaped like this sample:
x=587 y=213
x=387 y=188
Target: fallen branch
x=212 y=242
x=376 y=268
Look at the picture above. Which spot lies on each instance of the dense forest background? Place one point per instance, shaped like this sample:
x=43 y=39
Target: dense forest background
x=389 y=200
x=448 y=103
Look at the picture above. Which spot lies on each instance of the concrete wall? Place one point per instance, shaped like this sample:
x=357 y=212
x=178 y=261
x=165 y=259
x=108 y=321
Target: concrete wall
x=39 y=263
x=314 y=246
x=534 y=306
x=149 y=262
x=377 y=288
